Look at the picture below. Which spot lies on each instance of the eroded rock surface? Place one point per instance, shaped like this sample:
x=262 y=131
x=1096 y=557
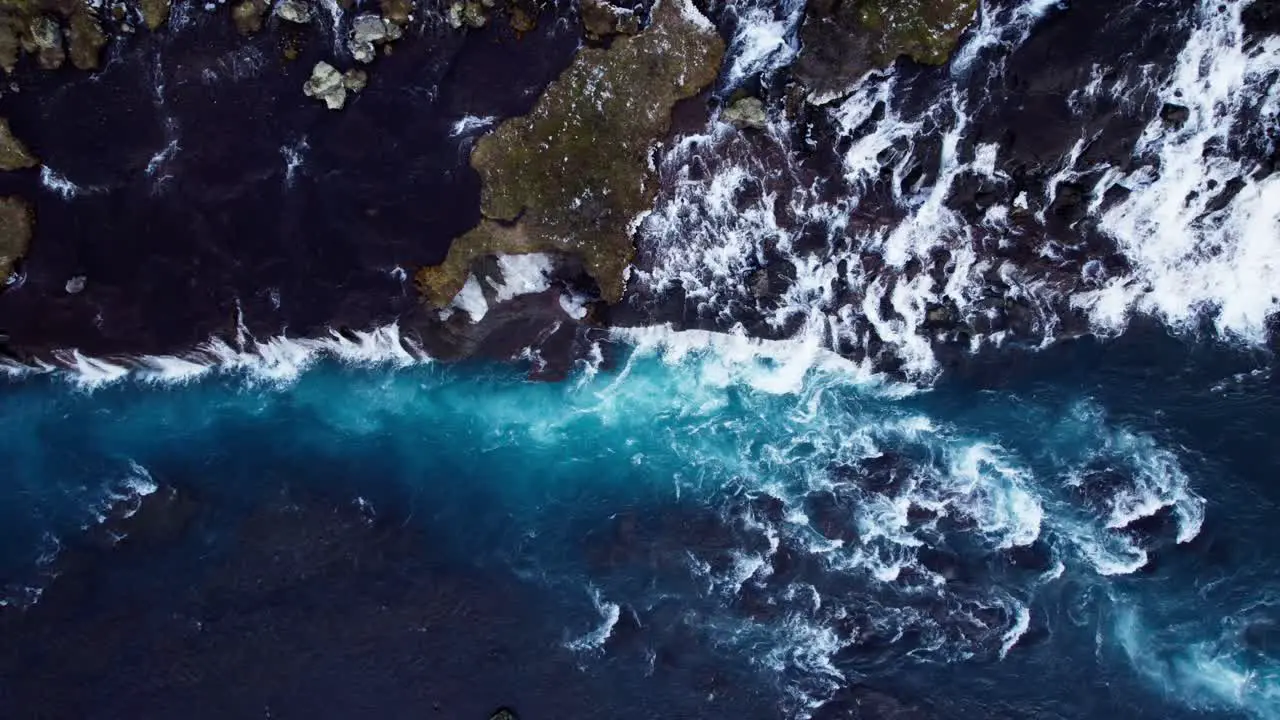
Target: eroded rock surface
x=573 y=175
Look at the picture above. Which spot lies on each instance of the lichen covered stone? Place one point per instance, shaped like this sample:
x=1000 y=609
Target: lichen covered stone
x=747 y=112
x=841 y=41
x=327 y=85
x=16 y=222
x=573 y=176
x=294 y=11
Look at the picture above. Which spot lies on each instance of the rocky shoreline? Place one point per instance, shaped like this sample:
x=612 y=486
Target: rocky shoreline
x=274 y=176
x=165 y=231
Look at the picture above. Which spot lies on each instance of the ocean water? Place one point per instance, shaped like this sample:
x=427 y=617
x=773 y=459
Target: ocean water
x=709 y=525
x=1057 y=501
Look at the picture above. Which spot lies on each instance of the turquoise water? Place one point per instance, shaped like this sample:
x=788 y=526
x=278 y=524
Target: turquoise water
x=768 y=508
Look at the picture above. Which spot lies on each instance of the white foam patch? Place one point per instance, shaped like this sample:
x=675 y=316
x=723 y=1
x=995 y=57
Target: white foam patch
x=470 y=299
x=594 y=640
x=472 y=124
x=58 y=183
x=1189 y=258
x=522 y=275
x=765 y=38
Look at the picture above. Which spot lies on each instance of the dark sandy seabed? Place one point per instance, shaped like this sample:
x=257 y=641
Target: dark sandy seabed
x=952 y=397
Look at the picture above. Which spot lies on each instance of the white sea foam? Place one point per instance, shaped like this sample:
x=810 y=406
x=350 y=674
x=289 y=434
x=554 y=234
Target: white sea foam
x=522 y=275
x=470 y=299
x=294 y=156
x=594 y=640
x=58 y=183
x=275 y=360
x=472 y=124
x=765 y=39
x=1188 y=257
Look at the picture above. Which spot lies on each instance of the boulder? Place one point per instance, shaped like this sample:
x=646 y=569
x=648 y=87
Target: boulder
x=294 y=11
x=368 y=31
x=327 y=85
x=746 y=113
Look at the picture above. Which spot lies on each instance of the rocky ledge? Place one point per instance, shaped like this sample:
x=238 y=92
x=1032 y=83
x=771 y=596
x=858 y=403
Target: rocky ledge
x=572 y=176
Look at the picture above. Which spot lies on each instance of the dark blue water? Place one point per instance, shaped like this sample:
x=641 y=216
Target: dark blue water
x=714 y=528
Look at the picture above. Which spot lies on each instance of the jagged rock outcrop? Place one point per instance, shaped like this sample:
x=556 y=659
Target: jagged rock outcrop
x=368 y=33
x=16 y=222
x=842 y=40
x=572 y=176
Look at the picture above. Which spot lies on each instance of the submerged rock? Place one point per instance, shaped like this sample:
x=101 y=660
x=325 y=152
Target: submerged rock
x=841 y=41
x=76 y=285
x=571 y=177
x=328 y=85
x=294 y=11
x=746 y=113
x=369 y=31
x=503 y=714
x=15 y=234
x=14 y=154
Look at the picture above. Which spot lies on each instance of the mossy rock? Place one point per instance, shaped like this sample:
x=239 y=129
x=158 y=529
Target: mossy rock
x=247 y=15
x=572 y=176
x=16 y=220
x=14 y=155
x=841 y=41
x=85 y=38
x=154 y=13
